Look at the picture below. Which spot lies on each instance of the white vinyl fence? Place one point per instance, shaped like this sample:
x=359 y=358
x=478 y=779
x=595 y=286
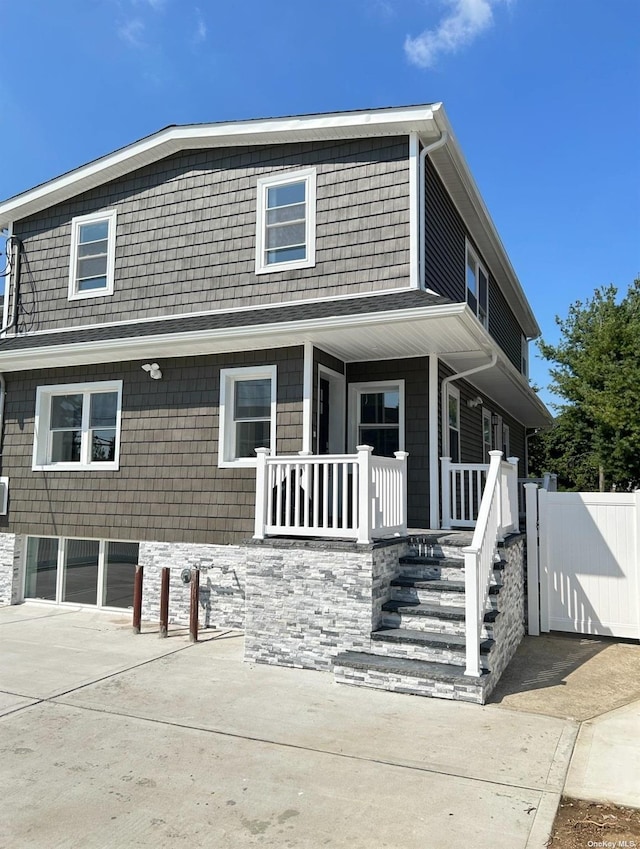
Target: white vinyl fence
x=589 y=562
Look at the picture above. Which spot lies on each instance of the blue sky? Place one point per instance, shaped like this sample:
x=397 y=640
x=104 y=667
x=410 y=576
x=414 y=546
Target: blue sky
x=543 y=96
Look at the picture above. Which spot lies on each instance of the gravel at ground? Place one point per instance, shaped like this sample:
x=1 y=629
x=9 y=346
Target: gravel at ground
x=595 y=825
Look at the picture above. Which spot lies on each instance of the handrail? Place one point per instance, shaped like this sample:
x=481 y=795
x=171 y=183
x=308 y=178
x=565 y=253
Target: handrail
x=480 y=556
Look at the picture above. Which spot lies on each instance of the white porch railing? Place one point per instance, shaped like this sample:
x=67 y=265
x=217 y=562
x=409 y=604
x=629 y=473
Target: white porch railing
x=353 y=496
x=549 y=482
x=463 y=485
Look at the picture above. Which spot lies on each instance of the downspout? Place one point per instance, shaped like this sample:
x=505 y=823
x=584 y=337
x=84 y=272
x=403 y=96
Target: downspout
x=444 y=423
x=444 y=138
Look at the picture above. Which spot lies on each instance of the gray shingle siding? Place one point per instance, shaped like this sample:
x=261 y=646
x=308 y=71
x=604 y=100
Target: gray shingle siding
x=186 y=232
x=444 y=237
x=169 y=487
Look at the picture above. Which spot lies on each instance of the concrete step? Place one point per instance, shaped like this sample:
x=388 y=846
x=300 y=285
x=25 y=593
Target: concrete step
x=436 y=618
x=403 y=675
x=426 y=645
x=415 y=588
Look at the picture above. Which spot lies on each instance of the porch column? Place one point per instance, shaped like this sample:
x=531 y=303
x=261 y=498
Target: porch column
x=307 y=398
x=434 y=476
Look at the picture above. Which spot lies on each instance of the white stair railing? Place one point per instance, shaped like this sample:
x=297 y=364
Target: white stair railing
x=462 y=488
x=498 y=515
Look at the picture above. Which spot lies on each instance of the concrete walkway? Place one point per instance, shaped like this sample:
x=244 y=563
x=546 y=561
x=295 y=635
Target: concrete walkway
x=112 y=740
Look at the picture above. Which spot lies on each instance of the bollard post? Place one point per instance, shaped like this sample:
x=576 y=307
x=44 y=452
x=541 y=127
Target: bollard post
x=164 y=602
x=193 y=610
x=137 y=599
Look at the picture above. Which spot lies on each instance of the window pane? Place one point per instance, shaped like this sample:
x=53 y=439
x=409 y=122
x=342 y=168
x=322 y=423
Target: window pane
x=285 y=195
x=454 y=445
x=65 y=446
x=252 y=399
x=92 y=267
x=92 y=283
x=41 y=572
x=385 y=440
x=472 y=283
x=93 y=249
x=93 y=232
x=286 y=254
x=285 y=235
x=120 y=568
x=252 y=435
x=81 y=571
x=283 y=214
x=104 y=407
x=453 y=411
x=380 y=407
x=103 y=445
x=66 y=411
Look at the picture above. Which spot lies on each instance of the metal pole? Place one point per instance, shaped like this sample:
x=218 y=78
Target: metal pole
x=164 y=601
x=137 y=599
x=193 y=610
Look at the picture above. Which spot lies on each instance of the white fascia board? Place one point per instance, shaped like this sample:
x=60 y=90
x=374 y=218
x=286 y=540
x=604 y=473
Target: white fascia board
x=172 y=139
x=452 y=148
x=187 y=343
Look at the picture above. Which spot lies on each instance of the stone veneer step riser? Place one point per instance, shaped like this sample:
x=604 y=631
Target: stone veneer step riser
x=431 y=624
x=425 y=596
x=412 y=651
x=407 y=684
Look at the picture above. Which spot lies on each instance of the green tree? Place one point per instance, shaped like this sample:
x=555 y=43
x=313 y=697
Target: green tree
x=595 y=442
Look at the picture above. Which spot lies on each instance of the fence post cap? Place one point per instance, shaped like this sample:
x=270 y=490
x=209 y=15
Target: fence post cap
x=401 y=455
x=365 y=448
x=262 y=450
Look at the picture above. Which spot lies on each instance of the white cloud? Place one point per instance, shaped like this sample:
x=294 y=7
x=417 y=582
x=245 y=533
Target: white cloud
x=201 y=28
x=156 y=5
x=132 y=32
x=466 y=20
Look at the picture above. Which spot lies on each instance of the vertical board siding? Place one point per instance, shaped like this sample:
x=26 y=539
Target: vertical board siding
x=186 y=231
x=415 y=373
x=503 y=325
x=169 y=487
x=589 y=558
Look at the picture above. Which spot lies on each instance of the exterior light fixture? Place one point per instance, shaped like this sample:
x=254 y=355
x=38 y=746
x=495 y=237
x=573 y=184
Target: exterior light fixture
x=153 y=370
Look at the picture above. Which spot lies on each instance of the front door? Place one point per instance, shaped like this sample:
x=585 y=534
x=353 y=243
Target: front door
x=324 y=395
x=330 y=417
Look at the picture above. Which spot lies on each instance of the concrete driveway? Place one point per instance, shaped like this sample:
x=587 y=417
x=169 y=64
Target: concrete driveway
x=111 y=740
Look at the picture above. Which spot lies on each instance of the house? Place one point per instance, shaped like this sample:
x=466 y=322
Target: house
x=199 y=331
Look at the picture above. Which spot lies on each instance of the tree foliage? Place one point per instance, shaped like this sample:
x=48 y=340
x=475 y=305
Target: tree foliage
x=595 y=442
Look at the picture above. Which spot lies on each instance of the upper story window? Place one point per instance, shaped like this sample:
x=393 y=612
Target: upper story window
x=247 y=414
x=93 y=242
x=77 y=426
x=286 y=221
x=477 y=281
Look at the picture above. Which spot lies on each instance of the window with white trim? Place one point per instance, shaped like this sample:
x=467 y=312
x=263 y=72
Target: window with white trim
x=377 y=415
x=93 y=242
x=247 y=414
x=477 y=282
x=453 y=423
x=286 y=221
x=77 y=426
x=487 y=435
x=80 y=571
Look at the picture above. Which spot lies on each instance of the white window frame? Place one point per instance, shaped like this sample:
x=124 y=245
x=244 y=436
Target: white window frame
x=472 y=258
x=42 y=430
x=487 y=416
x=358 y=389
x=76 y=223
x=227 y=432
x=308 y=176
x=453 y=392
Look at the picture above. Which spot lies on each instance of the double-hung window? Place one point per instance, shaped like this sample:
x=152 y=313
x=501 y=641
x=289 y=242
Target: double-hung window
x=77 y=426
x=91 y=269
x=453 y=422
x=247 y=414
x=286 y=221
x=477 y=281
x=377 y=413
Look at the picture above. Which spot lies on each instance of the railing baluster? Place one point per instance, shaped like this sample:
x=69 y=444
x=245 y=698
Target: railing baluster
x=297 y=482
x=287 y=496
x=325 y=496
x=334 y=500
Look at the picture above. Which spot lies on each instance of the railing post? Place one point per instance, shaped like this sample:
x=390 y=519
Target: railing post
x=365 y=492
x=401 y=456
x=496 y=457
x=513 y=494
x=445 y=465
x=471 y=612
x=533 y=579
x=137 y=598
x=261 y=493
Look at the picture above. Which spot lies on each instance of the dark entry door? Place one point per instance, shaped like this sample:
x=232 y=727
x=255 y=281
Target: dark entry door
x=323 y=417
